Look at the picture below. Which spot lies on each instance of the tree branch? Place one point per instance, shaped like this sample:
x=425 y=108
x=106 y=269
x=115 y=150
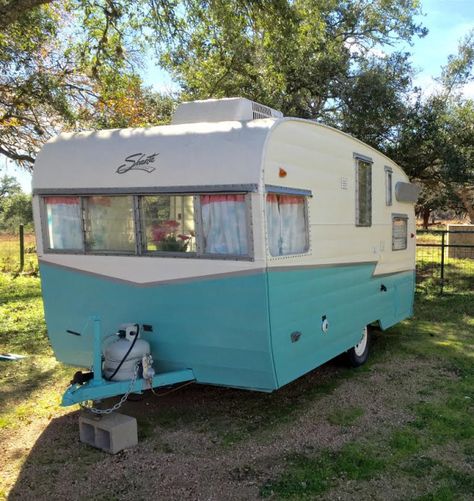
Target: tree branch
x=11 y=11
x=17 y=157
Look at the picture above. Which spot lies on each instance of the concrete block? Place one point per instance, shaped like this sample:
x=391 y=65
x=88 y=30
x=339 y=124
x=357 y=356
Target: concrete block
x=110 y=432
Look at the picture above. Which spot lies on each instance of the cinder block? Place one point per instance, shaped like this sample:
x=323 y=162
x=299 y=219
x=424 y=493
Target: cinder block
x=110 y=432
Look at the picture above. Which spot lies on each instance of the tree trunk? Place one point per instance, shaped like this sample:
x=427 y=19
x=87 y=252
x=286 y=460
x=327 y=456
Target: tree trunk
x=426 y=217
x=466 y=194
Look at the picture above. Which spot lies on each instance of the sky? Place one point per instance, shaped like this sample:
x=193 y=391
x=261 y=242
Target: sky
x=447 y=22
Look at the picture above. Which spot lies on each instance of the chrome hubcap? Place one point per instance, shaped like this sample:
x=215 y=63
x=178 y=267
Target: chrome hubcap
x=359 y=348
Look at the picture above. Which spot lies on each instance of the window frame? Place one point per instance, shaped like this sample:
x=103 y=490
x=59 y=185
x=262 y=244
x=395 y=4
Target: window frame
x=362 y=158
x=282 y=191
x=138 y=222
x=388 y=186
x=403 y=217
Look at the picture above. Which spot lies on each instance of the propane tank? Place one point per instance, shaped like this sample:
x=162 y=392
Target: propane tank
x=115 y=354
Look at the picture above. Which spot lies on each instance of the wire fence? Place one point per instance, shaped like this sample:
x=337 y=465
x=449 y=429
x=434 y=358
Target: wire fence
x=18 y=253
x=445 y=260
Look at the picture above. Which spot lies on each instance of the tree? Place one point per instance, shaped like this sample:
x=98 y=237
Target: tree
x=15 y=210
x=65 y=66
x=15 y=206
x=436 y=142
x=9 y=186
x=314 y=59
x=70 y=65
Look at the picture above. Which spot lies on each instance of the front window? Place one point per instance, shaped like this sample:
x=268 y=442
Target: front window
x=287 y=224
x=168 y=222
x=109 y=224
x=199 y=225
x=64 y=223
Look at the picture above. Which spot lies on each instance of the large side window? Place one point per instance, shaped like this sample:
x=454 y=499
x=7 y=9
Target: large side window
x=168 y=222
x=224 y=224
x=399 y=231
x=109 y=224
x=64 y=223
x=287 y=224
x=363 y=192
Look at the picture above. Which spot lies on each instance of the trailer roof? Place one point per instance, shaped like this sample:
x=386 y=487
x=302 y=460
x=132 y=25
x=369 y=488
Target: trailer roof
x=195 y=154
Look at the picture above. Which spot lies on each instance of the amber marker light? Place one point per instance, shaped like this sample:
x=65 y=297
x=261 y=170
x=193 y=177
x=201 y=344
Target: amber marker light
x=282 y=172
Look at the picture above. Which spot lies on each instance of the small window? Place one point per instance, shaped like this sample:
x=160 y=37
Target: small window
x=224 y=224
x=287 y=224
x=64 y=223
x=168 y=223
x=388 y=186
x=399 y=232
x=109 y=224
x=363 y=192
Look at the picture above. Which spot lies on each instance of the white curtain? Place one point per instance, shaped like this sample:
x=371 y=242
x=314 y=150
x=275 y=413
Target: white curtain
x=110 y=223
x=286 y=224
x=64 y=222
x=224 y=224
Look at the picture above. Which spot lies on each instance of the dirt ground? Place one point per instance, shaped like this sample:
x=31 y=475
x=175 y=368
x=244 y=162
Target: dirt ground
x=207 y=443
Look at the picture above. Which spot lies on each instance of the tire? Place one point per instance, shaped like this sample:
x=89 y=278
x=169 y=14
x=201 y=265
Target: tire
x=359 y=354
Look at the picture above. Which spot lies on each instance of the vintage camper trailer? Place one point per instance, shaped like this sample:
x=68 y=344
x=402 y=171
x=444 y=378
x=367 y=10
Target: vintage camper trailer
x=245 y=247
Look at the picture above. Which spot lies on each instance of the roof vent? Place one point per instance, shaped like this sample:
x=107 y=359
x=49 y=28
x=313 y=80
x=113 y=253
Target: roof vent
x=221 y=110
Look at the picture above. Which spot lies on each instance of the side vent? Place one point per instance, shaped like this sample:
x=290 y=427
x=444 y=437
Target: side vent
x=262 y=111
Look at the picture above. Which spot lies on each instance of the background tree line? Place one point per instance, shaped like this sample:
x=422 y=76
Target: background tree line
x=76 y=65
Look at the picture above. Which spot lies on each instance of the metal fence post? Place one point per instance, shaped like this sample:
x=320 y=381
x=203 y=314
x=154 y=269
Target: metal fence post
x=22 y=248
x=442 y=259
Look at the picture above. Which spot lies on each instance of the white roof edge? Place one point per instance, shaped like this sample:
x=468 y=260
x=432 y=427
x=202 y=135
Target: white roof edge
x=365 y=145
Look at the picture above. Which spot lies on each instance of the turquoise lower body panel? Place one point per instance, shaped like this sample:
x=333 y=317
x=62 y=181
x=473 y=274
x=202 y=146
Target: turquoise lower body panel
x=218 y=328
x=348 y=297
x=231 y=331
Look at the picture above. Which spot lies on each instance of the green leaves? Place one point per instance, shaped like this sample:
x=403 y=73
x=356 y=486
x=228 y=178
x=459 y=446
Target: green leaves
x=314 y=59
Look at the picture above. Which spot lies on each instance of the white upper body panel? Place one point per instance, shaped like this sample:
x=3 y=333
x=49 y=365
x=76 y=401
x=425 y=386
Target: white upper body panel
x=195 y=154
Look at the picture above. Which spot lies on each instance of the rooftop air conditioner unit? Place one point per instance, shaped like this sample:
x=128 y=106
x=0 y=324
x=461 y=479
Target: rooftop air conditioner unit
x=221 y=110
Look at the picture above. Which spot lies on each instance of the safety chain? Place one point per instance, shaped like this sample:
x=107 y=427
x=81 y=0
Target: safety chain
x=119 y=404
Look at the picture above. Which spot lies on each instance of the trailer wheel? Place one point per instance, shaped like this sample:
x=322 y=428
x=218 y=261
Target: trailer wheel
x=360 y=353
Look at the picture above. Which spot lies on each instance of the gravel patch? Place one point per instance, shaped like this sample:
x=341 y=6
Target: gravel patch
x=187 y=459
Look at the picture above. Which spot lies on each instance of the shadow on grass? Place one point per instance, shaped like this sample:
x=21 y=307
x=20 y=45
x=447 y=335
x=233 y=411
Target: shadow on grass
x=35 y=377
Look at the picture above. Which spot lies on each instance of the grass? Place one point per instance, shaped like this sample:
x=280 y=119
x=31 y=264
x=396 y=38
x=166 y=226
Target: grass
x=29 y=387
x=443 y=333
x=433 y=452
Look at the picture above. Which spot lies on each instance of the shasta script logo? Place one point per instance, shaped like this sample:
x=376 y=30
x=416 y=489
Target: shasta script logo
x=138 y=161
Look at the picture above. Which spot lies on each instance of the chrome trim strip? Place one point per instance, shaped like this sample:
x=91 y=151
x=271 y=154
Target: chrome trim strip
x=270 y=188
x=141 y=190
x=359 y=156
